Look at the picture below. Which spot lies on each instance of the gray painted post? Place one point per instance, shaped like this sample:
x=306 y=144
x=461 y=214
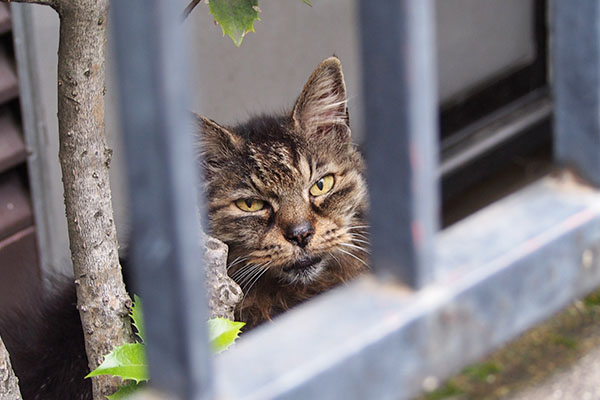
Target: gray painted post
x=167 y=265
x=576 y=84
x=401 y=135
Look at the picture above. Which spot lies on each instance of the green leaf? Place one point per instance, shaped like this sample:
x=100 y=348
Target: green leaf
x=307 y=2
x=236 y=17
x=127 y=361
x=222 y=333
x=125 y=391
x=137 y=316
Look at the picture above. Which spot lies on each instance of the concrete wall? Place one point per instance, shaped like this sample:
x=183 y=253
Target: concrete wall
x=476 y=38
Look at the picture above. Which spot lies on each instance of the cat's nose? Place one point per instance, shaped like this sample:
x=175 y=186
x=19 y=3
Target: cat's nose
x=299 y=234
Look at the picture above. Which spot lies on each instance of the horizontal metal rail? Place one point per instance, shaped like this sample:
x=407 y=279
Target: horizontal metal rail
x=487 y=135
x=501 y=270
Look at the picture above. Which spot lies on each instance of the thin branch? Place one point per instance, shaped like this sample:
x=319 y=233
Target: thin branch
x=190 y=7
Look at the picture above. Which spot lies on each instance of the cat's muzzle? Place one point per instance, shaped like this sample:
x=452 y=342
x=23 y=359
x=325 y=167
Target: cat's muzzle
x=303 y=264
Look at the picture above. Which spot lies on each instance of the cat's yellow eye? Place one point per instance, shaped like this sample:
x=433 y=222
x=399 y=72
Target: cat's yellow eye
x=322 y=186
x=250 y=205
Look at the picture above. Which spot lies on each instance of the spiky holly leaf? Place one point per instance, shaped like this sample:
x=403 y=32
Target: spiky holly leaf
x=236 y=17
x=222 y=333
x=125 y=391
x=127 y=361
x=137 y=316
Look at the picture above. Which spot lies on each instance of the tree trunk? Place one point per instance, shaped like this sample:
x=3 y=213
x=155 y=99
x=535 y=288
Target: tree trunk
x=9 y=384
x=85 y=159
x=102 y=300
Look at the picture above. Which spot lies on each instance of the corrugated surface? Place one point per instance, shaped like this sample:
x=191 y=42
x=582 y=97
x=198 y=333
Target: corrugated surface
x=5 y=25
x=15 y=208
x=9 y=85
x=12 y=147
x=19 y=271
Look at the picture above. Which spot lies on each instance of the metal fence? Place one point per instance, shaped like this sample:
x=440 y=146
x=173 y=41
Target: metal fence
x=472 y=286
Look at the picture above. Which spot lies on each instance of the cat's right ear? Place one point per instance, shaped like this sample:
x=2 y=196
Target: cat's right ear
x=322 y=106
x=216 y=141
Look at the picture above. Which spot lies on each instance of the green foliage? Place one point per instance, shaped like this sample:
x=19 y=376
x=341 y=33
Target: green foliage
x=125 y=391
x=129 y=360
x=482 y=370
x=237 y=17
x=222 y=333
x=592 y=300
x=564 y=341
x=137 y=316
x=449 y=390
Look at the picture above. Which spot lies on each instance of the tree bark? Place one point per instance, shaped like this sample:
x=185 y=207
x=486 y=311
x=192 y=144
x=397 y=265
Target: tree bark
x=84 y=156
x=85 y=159
x=9 y=384
x=223 y=293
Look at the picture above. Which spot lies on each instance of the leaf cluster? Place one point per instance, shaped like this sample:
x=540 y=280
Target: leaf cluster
x=128 y=361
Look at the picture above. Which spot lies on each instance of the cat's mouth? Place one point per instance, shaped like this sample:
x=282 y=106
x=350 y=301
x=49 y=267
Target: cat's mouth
x=305 y=270
x=302 y=264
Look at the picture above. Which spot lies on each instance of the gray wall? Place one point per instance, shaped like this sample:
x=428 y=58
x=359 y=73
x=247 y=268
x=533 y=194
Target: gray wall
x=476 y=38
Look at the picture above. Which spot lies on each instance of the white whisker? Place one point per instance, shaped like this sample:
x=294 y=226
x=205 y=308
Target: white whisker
x=353 y=256
x=358 y=234
x=355 y=247
x=256 y=271
x=263 y=270
x=359 y=227
x=250 y=277
x=256 y=277
x=238 y=260
x=241 y=275
x=335 y=258
x=361 y=241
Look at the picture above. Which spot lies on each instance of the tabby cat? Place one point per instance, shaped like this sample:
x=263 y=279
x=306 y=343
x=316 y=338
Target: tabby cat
x=293 y=209
x=286 y=193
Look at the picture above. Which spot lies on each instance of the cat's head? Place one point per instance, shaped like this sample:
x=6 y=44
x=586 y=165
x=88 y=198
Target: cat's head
x=287 y=193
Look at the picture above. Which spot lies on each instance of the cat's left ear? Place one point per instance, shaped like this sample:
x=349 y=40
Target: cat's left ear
x=322 y=106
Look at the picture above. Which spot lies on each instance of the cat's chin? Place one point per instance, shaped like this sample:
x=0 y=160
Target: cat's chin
x=304 y=271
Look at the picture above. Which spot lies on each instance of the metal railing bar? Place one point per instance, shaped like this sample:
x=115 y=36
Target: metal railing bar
x=399 y=82
x=35 y=137
x=164 y=252
x=370 y=340
x=576 y=84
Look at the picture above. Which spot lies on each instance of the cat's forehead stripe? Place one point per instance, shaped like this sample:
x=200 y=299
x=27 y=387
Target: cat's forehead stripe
x=274 y=164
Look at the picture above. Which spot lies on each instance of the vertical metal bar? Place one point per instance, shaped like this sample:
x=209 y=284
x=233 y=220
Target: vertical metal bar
x=576 y=84
x=35 y=136
x=165 y=256
x=399 y=79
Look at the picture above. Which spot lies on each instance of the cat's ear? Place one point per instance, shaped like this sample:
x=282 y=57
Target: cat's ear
x=322 y=103
x=215 y=140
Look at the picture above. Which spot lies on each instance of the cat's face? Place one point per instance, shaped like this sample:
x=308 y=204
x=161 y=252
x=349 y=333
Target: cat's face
x=287 y=194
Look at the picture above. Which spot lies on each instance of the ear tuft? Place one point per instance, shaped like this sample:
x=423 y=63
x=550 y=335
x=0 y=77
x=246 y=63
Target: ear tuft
x=216 y=141
x=322 y=103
